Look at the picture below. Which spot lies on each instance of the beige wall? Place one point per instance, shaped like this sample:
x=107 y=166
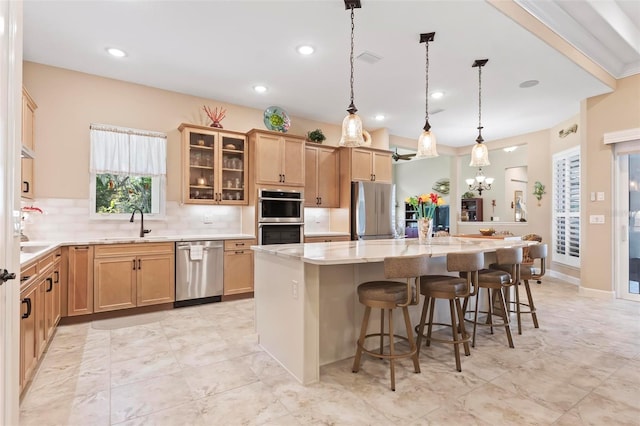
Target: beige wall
x=612 y=112
x=69 y=101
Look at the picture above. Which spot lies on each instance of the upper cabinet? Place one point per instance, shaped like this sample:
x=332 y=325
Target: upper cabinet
x=28 y=142
x=367 y=164
x=321 y=176
x=278 y=159
x=214 y=166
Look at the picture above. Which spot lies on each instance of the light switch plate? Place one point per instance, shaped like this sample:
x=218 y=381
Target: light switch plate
x=600 y=196
x=596 y=218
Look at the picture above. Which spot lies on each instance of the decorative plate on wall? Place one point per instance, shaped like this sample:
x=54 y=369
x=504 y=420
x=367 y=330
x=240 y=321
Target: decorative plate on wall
x=275 y=118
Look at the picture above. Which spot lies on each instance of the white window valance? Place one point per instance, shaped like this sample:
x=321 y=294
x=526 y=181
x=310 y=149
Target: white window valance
x=119 y=150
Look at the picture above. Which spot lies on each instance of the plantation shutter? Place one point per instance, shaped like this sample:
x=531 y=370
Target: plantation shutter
x=566 y=207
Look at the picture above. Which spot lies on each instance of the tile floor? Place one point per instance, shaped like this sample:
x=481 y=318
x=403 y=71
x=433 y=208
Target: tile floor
x=202 y=366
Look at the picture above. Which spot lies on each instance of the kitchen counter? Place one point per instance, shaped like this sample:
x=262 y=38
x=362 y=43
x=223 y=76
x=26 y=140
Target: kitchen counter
x=31 y=250
x=307 y=309
x=327 y=234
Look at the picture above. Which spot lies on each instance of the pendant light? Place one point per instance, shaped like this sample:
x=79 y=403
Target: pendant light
x=352 y=124
x=479 y=153
x=427 y=141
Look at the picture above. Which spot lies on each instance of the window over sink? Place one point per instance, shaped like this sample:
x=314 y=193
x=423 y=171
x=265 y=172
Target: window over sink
x=128 y=171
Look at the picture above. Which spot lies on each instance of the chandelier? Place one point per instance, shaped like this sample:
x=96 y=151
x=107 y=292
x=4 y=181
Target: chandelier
x=352 y=124
x=480 y=183
x=479 y=153
x=427 y=141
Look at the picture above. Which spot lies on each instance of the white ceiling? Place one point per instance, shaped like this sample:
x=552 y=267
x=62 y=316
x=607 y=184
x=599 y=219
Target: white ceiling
x=221 y=49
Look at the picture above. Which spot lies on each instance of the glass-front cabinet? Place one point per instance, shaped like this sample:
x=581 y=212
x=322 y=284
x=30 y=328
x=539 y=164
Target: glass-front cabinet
x=214 y=166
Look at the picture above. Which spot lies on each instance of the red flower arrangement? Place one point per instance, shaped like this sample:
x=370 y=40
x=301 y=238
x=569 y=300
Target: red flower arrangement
x=215 y=116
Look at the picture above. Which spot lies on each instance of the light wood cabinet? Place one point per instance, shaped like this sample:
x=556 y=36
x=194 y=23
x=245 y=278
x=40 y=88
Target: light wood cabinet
x=28 y=325
x=326 y=239
x=238 y=266
x=214 y=164
x=130 y=275
x=322 y=173
x=367 y=164
x=28 y=140
x=80 y=280
x=277 y=159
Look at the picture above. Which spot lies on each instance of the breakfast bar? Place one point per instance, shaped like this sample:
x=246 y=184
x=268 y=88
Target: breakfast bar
x=307 y=311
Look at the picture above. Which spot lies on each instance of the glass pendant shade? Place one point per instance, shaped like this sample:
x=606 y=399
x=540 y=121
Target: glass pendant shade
x=479 y=155
x=427 y=145
x=470 y=181
x=352 y=131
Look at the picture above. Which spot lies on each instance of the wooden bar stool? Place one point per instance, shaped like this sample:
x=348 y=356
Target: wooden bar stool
x=388 y=295
x=528 y=272
x=452 y=289
x=495 y=282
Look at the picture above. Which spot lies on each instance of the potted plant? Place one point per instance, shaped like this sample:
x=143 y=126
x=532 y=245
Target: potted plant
x=316 y=136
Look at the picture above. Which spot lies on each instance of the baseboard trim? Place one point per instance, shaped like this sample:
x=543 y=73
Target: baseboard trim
x=598 y=294
x=564 y=277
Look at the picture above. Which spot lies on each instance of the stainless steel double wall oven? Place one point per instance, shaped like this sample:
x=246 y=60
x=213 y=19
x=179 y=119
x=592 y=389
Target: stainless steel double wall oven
x=280 y=216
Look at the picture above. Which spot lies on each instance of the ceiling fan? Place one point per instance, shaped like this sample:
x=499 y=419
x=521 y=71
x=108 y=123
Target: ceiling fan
x=397 y=156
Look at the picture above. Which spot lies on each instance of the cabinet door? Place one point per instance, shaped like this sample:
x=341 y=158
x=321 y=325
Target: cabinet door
x=40 y=306
x=115 y=283
x=238 y=272
x=234 y=169
x=155 y=279
x=80 y=281
x=361 y=165
x=311 y=176
x=26 y=173
x=50 y=293
x=28 y=120
x=268 y=160
x=328 y=177
x=57 y=294
x=28 y=338
x=382 y=167
x=200 y=151
x=293 y=161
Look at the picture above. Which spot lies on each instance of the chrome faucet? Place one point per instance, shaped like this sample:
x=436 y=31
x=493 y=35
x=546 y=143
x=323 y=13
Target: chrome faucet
x=142 y=230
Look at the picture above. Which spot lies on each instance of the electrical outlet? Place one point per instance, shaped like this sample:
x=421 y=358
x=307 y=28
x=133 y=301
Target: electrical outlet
x=207 y=218
x=600 y=196
x=294 y=289
x=596 y=218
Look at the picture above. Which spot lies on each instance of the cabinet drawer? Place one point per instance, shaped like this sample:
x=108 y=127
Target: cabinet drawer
x=28 y=275
x=239 y=244
x=109 y=250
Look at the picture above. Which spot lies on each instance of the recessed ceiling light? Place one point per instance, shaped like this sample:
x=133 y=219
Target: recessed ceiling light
x=379 y=117
x=510 y=148
x=529 y=83
x=260 y=88
x=305 y=50
x=437 y=95
x=116 y=52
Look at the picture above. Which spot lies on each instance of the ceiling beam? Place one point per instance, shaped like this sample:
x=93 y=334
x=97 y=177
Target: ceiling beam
x=529 y=22
x=618 y=21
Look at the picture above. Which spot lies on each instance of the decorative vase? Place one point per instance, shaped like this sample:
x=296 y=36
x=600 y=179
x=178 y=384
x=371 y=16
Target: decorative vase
x=216 y=124
x=425 y=230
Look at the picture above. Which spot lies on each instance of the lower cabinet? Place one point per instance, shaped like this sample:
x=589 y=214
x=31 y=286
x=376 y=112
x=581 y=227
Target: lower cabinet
x=40 y=290
x=238 y=266
x=28 y=337
x=130 y=275
x=80 y=280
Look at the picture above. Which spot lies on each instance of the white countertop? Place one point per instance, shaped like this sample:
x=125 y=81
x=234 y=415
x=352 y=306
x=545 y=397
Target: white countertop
x=348 y=252
x=42 y=247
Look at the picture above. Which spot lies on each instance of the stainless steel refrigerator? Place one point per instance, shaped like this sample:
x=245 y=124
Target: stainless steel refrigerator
x=372 y=207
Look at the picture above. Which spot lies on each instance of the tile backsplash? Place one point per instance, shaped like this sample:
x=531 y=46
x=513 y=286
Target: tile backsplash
x=68 y=219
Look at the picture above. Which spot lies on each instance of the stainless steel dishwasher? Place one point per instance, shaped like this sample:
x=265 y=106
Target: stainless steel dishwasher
x=199 y=275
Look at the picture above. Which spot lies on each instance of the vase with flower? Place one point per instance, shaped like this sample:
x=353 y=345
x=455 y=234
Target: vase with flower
x=425 y=207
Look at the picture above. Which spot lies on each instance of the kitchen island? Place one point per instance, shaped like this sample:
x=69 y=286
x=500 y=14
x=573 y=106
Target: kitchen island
x=307 y=310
